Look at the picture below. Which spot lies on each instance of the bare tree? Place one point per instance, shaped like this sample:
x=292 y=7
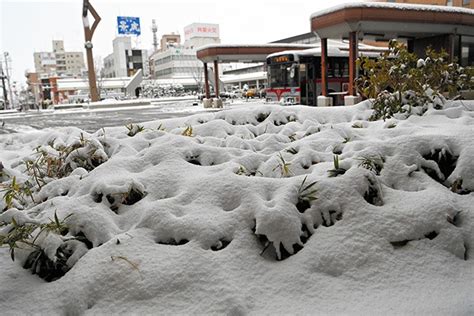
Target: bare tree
x=198 y=76
x=99 y=70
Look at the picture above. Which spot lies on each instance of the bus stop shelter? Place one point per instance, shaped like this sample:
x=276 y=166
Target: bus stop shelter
x=450 y=28
x=217 y=53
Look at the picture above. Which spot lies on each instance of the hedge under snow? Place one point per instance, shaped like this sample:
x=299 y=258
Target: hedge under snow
x=260 y=210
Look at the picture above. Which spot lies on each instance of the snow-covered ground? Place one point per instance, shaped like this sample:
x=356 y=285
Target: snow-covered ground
x=91 y=120
x=236 y=213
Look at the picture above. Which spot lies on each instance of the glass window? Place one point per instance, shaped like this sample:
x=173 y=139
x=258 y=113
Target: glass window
x=283 y=75
x=467 y=51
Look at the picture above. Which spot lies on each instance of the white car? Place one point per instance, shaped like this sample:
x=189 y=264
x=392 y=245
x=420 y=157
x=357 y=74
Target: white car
x=235 y=94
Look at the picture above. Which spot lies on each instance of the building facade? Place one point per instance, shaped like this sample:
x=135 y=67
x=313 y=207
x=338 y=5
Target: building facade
x=170 y=40
x=176 y=62
x=59 y=62
x=179 y=61
x=199 y=34
x=125 y=60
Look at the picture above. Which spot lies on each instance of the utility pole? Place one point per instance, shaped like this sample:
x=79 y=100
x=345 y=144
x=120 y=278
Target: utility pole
x=8 y=80
x=4 y=88
x=88 y=33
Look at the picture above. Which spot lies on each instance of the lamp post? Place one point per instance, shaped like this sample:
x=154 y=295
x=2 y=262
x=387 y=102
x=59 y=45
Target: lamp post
x=7 y=55
x=88 y=33
x=4 y=88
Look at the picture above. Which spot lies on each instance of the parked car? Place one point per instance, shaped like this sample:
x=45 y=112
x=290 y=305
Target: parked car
x=251 y=93
x=234 y=94
x=202 y=96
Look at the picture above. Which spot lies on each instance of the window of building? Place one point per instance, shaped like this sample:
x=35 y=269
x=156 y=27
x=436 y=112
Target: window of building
x=449 y=3
x=466 y=2
x=467 y=51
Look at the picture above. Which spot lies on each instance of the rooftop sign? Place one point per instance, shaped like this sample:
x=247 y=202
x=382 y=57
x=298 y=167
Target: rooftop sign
x=127 y=25
x=201 y=30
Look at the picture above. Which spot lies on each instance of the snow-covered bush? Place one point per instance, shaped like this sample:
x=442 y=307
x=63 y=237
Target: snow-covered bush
x=22 y=233
x=398 y=81
x=152 y=89
x=57 y=160
x=247 y=199
x=29 y=187
x=134 y=129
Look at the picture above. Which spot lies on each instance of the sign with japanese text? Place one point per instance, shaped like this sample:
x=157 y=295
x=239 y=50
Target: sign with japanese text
x=127 y=25
x=201 y=30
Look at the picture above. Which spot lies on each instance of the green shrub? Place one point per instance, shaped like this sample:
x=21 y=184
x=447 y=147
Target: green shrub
x=58 y=161
x=134 y=129
x=16 y=193
x=337 y=169
x=398 y=80
x=18 y=234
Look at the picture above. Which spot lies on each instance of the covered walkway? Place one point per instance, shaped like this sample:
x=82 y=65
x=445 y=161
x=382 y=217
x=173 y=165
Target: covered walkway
x=216 y=53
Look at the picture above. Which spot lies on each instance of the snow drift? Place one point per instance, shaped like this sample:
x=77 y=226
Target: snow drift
x=263 y=210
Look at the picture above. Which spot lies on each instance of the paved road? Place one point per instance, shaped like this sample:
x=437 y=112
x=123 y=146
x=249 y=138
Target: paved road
x=92 y=120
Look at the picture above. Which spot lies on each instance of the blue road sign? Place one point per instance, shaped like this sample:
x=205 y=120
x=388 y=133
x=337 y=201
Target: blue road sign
x=128 y=25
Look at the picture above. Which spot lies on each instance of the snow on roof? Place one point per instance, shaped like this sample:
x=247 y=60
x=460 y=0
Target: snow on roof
x=254 y=45
x=184 y=81
x=336 y=48
x=260 y=75
x=83 y=84
x=398 y=6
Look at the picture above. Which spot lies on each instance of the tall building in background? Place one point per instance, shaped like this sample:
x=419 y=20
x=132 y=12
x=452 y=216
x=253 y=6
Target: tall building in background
x=199 y=34
x=453 y=3
x=125 y=60
x=59 y=62
x=179 y=61
x=170 y=40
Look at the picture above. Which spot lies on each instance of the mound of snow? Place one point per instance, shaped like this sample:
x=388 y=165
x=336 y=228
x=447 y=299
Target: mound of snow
x=244 y=211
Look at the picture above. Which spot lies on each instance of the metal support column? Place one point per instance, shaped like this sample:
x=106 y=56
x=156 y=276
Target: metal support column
x=216 y=78
x=324 y=67
x=206 y=81
x=353 y=43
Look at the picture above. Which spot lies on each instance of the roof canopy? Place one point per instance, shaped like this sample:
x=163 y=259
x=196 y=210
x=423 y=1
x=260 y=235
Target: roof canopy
x=392 y=20
x=83 y=84
x=243 y=53
x=129 y=84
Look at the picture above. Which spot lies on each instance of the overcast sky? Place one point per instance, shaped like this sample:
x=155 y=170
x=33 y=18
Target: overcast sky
x=28 y=26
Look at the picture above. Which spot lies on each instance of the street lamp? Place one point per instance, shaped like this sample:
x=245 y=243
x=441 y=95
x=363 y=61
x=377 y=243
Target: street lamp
x=7 y=55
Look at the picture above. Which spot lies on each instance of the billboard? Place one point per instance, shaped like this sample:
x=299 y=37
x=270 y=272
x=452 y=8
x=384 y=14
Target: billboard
x=127 y=25
x=201 y=30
